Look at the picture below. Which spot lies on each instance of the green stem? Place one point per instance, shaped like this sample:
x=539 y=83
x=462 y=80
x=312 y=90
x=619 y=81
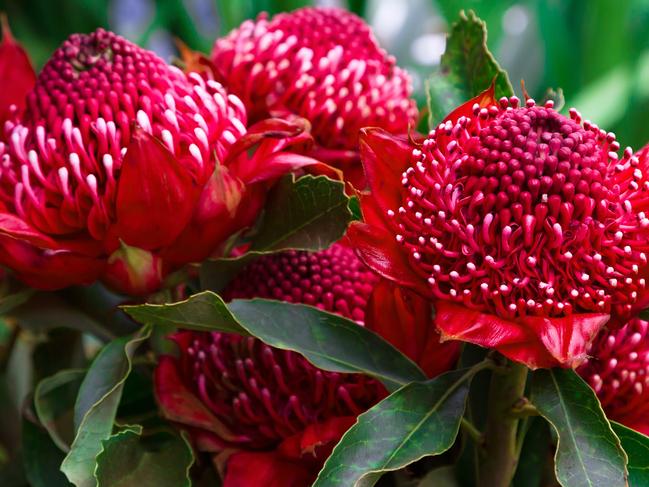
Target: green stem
x=472 y=431
x=500 y=438
x=523 y=428
x=525 y=411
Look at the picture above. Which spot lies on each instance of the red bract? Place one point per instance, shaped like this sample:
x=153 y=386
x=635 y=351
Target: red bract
x=17 y=75
x=523 y=226
x=322 y=64
x=270 y=407
x=124 y=168
x=404 y=318
x=618 y=371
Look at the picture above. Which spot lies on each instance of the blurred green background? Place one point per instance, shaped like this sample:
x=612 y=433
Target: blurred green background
x=596 y=50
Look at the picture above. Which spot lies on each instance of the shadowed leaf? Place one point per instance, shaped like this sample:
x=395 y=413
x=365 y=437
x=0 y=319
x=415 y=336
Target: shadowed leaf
x=128 y=459
x=328 y=341
x=588 y=452
x=41 y=457
x=636 y=446
x=96 y=406
x=418 y=420
x=53 y=401
x=309 y=213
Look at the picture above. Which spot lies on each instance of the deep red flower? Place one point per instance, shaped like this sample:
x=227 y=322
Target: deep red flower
x=523 y=226
x=323 y=64
x=124 y=168
x=255 y=405
x=17 y=75
x=618 y=371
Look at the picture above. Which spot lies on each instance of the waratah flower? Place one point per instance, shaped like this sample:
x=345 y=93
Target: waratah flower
x=272 y=408
x=523 y=226
x=124 y=168
x=17 y=75
x=323 y=64
x=618 y=371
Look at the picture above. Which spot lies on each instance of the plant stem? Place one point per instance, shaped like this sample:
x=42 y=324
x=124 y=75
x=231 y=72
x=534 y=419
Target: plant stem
x=525 y=411
x=500 y=438
x=472 y=431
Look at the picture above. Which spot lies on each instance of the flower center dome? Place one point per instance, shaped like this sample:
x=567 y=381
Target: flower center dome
x=523 y=211
x=323 y=64
x=264 y=394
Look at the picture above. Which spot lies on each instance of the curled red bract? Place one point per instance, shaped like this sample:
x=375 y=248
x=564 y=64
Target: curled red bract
x=17 y=75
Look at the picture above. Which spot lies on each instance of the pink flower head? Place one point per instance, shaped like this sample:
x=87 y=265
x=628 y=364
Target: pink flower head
x=238 y=393
x=524 y=226
x=618 y=371
x=272 y=407
x=124 y=168
x=323 y=64
x=334 y=280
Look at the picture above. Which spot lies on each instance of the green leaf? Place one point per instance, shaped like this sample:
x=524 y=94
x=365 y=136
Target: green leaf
x=53 y=402
x=442 y=97
x=204 y=311
x=644 y=314
x=636 y=446
x=440 y=477
x=216 y=274
x=7 y=303
x=96 y=406
x=534 y=457
x=128 y=459
x=418 y=420
x=19 y=372
x=41 y=457
x=588 y=452
x=466 y=69
x=329 y=341
x=138 y=399
x=355 y=208
x=309 y=213
x=46 y=311
x=467 y=464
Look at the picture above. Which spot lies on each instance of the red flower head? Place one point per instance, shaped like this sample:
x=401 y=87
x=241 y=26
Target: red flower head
x=618 y=371
x=322 y=64
x=523 y=226
x=124 y=168
x=17 y=75
x=272 y=407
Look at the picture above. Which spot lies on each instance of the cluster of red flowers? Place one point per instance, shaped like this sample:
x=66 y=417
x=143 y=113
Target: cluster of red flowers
x=522 y=228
